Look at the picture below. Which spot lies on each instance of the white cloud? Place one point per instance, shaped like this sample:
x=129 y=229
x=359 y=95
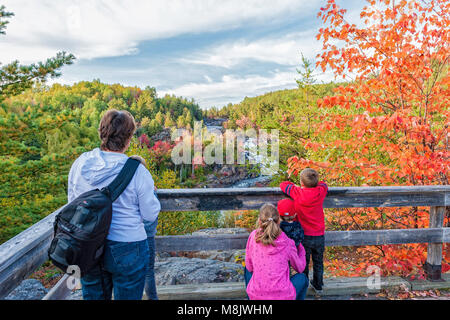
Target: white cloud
x=208 y=78
x=92 y=29
x=284 y=50
x=233 y=88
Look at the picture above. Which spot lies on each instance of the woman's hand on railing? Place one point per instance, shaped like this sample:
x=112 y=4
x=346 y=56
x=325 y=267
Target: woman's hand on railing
x=139 y=158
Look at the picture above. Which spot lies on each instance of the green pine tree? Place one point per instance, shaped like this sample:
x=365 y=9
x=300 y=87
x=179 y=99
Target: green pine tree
x=16 y=78
x=168 y=122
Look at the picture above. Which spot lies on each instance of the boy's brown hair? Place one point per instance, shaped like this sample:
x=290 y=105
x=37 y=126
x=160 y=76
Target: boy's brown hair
x=268 y=224
x=309 y=177
x=116 y=129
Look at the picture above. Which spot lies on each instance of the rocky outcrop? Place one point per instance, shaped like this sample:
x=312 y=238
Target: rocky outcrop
x=201 y=266
x=214 y=122
x=180 y=270
x=163 y=135
x=227 y=176
x=29 y=289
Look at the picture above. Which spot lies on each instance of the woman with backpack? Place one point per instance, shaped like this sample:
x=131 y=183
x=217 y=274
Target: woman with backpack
x=125 y=262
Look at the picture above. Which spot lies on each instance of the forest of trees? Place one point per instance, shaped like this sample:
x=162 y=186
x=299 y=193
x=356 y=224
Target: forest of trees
x=44 y=129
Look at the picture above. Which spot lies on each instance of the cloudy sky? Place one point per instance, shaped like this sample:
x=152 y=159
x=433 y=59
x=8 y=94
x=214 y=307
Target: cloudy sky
x=215 y=51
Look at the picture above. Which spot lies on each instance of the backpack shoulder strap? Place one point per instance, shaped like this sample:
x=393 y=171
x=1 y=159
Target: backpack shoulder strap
x=119 y=184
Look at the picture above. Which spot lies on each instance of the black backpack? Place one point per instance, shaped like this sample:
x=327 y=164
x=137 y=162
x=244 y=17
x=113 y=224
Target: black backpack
x=81 y=228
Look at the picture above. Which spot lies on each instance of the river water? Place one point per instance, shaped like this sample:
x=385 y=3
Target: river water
x=252 y=156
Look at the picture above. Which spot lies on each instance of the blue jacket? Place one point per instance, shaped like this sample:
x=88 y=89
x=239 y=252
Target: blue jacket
x=294 y=231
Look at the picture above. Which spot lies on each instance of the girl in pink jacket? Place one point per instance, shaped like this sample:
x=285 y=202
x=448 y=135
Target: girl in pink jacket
x=269 y=253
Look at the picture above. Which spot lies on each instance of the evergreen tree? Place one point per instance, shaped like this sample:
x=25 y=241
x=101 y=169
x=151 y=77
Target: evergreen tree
x=159 y=117
x=145 y=106
x=154 y=127
x=180 y=122
x=16 y=78
x=168 y=122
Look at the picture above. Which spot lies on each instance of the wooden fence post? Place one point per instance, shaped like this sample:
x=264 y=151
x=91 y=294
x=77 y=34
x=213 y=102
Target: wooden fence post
x=433 y=265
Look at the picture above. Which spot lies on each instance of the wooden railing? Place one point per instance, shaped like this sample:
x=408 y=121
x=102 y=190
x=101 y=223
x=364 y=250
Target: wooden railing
x=24 y=253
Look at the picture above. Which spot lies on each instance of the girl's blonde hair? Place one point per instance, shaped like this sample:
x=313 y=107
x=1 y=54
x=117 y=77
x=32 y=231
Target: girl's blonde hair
x=267 y=223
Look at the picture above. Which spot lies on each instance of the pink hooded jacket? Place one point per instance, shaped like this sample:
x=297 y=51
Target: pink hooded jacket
x=270 y=267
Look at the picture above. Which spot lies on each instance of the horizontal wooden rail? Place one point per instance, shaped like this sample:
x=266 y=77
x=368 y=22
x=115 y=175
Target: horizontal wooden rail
x=24 y=253
x=60 y=290
x=332 y=239
x=338 y=197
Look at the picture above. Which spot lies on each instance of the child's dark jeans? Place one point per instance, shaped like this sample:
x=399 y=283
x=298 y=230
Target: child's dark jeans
x=315 y=247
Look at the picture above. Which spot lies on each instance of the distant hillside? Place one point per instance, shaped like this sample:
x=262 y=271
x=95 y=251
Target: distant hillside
x=43 y=130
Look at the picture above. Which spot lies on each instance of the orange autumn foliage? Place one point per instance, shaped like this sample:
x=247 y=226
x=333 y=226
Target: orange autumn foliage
x=393 y=128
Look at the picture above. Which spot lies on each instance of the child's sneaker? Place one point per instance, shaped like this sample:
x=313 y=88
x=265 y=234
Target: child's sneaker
x=317 y=290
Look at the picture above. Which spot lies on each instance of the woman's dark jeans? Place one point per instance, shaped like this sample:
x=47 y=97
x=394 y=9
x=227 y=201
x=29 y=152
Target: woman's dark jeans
x=314 y=248
x=150 y=284
x=124 y=269
x=299 y=280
